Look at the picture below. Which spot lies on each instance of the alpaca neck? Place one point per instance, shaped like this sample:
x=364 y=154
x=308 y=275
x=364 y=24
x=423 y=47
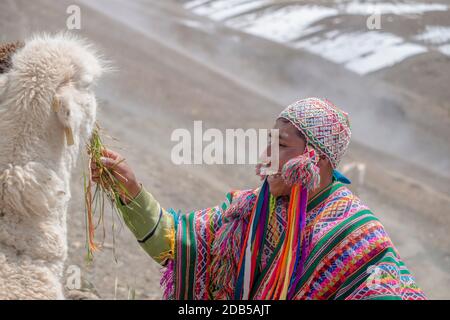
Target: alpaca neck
x=44 y=143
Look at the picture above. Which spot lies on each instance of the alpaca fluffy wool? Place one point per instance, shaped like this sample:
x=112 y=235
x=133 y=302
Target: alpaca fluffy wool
x=36 y=163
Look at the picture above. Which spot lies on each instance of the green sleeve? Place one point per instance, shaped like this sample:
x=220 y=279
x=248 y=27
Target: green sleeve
x=152 y=226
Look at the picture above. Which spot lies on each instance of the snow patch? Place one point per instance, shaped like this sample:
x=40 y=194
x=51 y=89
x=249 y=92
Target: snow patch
x=364 y=8
x=445 y=49
x=288 y=23
x=434 y=35
x=361 y=52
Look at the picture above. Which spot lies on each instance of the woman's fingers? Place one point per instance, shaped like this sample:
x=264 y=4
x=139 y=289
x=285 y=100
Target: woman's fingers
x=117 y=167
x=95 y=175
x=112 y=161
x=128 y=187
x=110 y=154
x=95 y=172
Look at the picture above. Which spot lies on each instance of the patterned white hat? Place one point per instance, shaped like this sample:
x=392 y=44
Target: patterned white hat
x=325 y=126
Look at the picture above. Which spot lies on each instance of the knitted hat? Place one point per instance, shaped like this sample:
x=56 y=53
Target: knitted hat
x=325 y=127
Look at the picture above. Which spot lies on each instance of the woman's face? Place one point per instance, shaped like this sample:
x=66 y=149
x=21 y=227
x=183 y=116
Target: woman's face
x=291 y=144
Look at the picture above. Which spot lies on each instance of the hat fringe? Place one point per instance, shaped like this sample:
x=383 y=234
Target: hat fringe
x=303 y=170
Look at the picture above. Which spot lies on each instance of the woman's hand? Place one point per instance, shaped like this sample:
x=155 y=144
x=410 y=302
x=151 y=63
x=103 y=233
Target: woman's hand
x=122 y=171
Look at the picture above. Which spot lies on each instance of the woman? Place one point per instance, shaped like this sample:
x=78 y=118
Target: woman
x=302 y=235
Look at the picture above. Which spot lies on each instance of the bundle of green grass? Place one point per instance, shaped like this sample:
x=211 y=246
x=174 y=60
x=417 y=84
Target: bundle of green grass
x=107 y=189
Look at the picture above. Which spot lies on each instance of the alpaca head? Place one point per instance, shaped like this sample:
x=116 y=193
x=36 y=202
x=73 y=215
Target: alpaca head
x=47 y=112
x=47 y=101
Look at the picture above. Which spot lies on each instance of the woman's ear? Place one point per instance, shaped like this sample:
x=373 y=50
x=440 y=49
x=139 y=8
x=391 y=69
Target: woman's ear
x=323 y=161
x=325 y=166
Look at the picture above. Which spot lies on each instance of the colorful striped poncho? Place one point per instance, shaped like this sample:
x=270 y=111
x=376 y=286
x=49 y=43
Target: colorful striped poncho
x=348 y=254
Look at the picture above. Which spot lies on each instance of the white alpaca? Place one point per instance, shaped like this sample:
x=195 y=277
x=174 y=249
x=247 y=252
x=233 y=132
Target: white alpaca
x=47 y=112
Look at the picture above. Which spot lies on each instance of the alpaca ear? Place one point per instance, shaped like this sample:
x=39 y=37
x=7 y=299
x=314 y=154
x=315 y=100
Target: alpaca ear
x=56 y=104
x=69 y=136
x=61 y=105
